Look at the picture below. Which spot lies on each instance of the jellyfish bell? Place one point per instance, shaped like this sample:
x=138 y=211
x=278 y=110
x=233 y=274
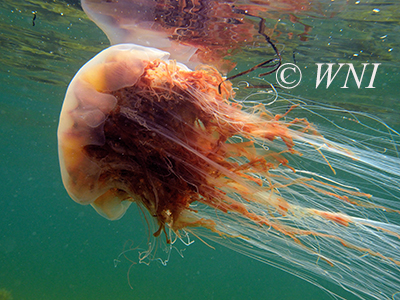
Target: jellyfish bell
x=136 y=127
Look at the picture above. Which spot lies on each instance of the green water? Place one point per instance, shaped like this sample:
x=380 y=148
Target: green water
x=53 y=248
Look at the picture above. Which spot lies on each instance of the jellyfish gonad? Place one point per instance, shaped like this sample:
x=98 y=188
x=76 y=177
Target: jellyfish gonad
x=139 y=128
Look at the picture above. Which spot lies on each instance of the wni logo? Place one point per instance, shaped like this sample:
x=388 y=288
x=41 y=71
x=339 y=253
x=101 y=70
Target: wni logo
x=350 y=71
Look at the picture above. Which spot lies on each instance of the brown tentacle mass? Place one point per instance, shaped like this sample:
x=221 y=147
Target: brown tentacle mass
x=151 y=136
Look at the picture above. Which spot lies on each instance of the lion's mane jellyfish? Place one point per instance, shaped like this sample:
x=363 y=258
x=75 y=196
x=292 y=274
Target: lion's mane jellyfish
x=139 y=128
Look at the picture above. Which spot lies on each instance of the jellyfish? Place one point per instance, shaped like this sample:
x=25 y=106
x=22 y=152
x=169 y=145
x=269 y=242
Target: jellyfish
x=204 y=161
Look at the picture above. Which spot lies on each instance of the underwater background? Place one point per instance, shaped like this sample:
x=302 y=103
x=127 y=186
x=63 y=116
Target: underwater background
x=54 y=248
